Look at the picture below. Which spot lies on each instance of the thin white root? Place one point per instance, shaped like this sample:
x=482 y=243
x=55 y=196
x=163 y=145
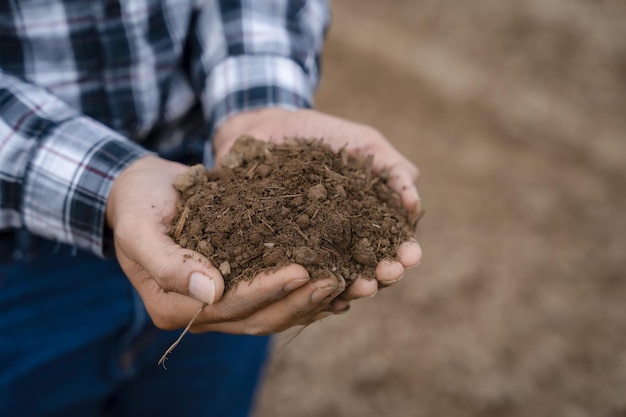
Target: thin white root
x=173 y=346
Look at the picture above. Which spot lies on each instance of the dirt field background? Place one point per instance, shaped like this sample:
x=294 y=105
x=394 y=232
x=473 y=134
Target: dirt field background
x=515 y=113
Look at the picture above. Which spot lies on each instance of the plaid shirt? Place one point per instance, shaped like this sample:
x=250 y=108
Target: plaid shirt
x=84 y=84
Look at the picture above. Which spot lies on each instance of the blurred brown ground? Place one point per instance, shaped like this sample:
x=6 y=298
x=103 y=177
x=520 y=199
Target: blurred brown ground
x=515 y=112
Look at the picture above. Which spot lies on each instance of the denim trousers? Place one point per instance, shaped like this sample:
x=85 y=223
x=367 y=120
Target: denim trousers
x=75 y=340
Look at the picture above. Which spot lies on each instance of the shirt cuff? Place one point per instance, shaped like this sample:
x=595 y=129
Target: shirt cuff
x=68 y=183
x=249 y=82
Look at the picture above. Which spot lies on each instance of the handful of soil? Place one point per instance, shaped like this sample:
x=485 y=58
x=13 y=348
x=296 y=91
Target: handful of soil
x=270 y=205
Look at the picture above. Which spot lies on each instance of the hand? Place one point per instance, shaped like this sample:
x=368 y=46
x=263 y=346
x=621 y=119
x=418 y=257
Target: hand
x=174 y=282
x=273 y=125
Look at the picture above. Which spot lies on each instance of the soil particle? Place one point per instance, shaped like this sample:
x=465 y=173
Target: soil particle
x=225 y=268
x=305 y=256
x=303 y=221
x=274 y=256
x=317 y=193
x=363 y=253
x=297 y=202
x=205 y=248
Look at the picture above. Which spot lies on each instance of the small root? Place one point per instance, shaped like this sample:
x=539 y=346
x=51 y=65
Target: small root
x=173 y=346
x=292 y=337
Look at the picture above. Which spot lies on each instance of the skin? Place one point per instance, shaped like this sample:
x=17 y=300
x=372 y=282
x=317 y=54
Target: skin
x=174 y=282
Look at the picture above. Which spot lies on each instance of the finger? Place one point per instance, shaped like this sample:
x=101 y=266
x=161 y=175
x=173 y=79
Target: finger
x=339 y=306
x=360 y=288
x=299 y=307
x=265 y=288
x=173 y=268
x=171 y=310
x=403 y=178
x=389 y=271
x=409 y=253
x=168 y=310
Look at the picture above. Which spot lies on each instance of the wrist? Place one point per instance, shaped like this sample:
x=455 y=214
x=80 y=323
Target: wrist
x=264 y=124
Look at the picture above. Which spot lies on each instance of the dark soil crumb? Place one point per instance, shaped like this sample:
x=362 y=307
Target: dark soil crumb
x=297 y=202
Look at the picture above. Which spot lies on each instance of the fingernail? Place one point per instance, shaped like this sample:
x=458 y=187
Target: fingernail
x=296 y=283
x=414 y=265
x=321 y=293
x=372 y=295
x=418 y=204
x=202 y=287
x=415 y=193
x=392 y=281
x=410 y=253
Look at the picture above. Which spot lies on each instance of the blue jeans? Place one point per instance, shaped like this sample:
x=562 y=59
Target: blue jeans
x=75 y=340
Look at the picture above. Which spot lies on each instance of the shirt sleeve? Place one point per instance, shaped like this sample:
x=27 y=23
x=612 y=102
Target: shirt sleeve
x=251 y=54
x=56 y=166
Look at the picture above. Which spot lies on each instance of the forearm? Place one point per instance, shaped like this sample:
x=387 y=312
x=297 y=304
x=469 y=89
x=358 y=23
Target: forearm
x=56 y=166
x=258 y=55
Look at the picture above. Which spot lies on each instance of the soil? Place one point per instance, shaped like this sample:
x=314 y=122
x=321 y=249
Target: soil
x=269 y=205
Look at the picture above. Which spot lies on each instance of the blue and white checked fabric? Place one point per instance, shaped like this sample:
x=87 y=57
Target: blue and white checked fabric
x=84 y=84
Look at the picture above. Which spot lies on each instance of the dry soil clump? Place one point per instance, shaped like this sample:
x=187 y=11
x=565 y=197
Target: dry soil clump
x=269 y=205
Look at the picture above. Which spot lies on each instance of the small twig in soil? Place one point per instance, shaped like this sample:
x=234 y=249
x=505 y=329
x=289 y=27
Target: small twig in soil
x=250 y=172
x=295 y=225
x=268 y=225
x=280 y=196
x=254 y=255
x=173 y=346
x=181 y=222
x=344 y=157
x=245 y=271
x=334 y=173
x=368 y=171
x=331 y=247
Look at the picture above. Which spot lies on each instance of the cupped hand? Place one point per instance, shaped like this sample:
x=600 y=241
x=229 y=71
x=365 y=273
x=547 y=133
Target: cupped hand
x=174 y=282
x=274 y=125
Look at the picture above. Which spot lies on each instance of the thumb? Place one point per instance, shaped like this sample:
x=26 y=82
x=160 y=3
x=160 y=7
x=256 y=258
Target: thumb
x=174 y=269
